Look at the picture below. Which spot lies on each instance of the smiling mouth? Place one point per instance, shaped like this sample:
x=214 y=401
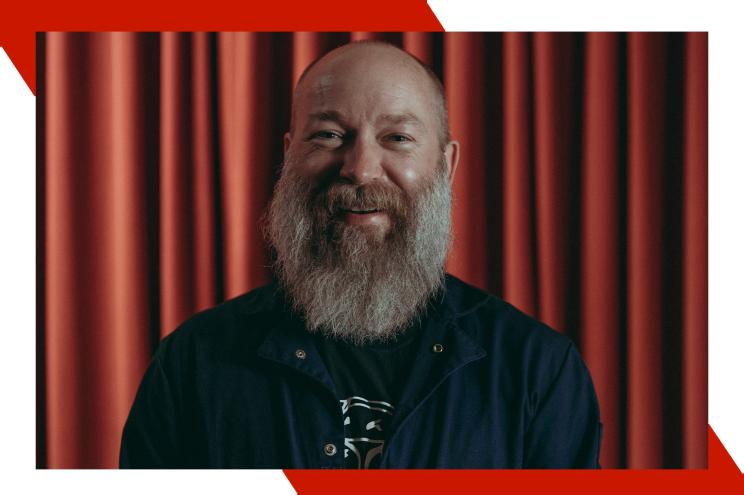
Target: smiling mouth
x=362 y=212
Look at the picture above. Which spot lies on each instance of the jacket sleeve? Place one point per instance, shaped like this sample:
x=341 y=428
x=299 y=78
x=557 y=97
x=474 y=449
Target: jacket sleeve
x=151 y=433
x=565 y=431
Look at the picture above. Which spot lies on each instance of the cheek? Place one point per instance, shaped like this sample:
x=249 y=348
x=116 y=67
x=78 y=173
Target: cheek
x=411 y=175
x=314 y=166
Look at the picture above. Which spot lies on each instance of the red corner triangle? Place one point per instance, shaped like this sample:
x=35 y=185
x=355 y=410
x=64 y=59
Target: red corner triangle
x=719 y=460
x=21 y=47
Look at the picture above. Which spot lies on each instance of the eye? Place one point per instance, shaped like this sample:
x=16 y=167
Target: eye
x=327 y=138
x=398 y=138
x=326 y=135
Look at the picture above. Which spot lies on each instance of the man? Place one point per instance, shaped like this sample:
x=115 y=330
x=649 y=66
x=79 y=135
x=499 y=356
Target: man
x=363 y=353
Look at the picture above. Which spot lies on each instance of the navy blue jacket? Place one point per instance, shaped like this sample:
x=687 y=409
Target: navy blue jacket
x=229 y=389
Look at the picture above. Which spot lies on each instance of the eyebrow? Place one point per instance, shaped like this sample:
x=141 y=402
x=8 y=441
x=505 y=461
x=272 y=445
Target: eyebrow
x=388 y=118
x=327 y=116
x=400 y=118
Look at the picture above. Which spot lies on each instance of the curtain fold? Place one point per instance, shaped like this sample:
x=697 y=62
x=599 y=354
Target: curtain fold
x=695 y=250
x=470 y=188
x=602 y=240
x=520 y=272
x=646 y=108
x=581 y=198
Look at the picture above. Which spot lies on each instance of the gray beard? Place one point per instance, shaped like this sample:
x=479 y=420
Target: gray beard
x=351 y=282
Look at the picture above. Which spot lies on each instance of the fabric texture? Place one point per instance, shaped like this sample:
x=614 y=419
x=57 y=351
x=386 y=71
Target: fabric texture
x=243 y=386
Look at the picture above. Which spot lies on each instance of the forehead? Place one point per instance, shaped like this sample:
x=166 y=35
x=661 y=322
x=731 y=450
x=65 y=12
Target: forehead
x=367 y=84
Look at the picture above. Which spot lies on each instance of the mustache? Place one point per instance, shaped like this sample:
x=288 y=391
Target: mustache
x=337 y=198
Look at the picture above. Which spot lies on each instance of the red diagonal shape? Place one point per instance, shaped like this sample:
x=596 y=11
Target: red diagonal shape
x=21 y=50
x=722 y=477
x=719 y=460
x=19 y=21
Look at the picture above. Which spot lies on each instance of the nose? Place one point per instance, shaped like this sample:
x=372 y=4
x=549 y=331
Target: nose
x=362 y=162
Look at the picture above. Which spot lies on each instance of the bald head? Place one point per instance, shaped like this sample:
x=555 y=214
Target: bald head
x=365 y=59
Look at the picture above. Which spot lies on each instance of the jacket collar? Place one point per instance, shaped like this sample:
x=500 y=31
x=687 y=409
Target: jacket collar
x=288 y=343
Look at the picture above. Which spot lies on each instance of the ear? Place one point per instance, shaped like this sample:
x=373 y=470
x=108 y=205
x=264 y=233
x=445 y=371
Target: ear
x=452 y=157
x=287 y=141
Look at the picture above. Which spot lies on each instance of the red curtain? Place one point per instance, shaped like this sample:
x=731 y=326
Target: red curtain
x=581 y=198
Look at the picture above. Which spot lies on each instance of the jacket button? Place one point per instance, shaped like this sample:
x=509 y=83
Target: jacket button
x=300 y=354
x=437 y=348
x=329 y=449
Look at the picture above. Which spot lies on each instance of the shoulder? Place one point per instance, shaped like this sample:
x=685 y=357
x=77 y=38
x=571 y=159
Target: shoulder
x=507 y=334
x=485 y=314
x=235 y=324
